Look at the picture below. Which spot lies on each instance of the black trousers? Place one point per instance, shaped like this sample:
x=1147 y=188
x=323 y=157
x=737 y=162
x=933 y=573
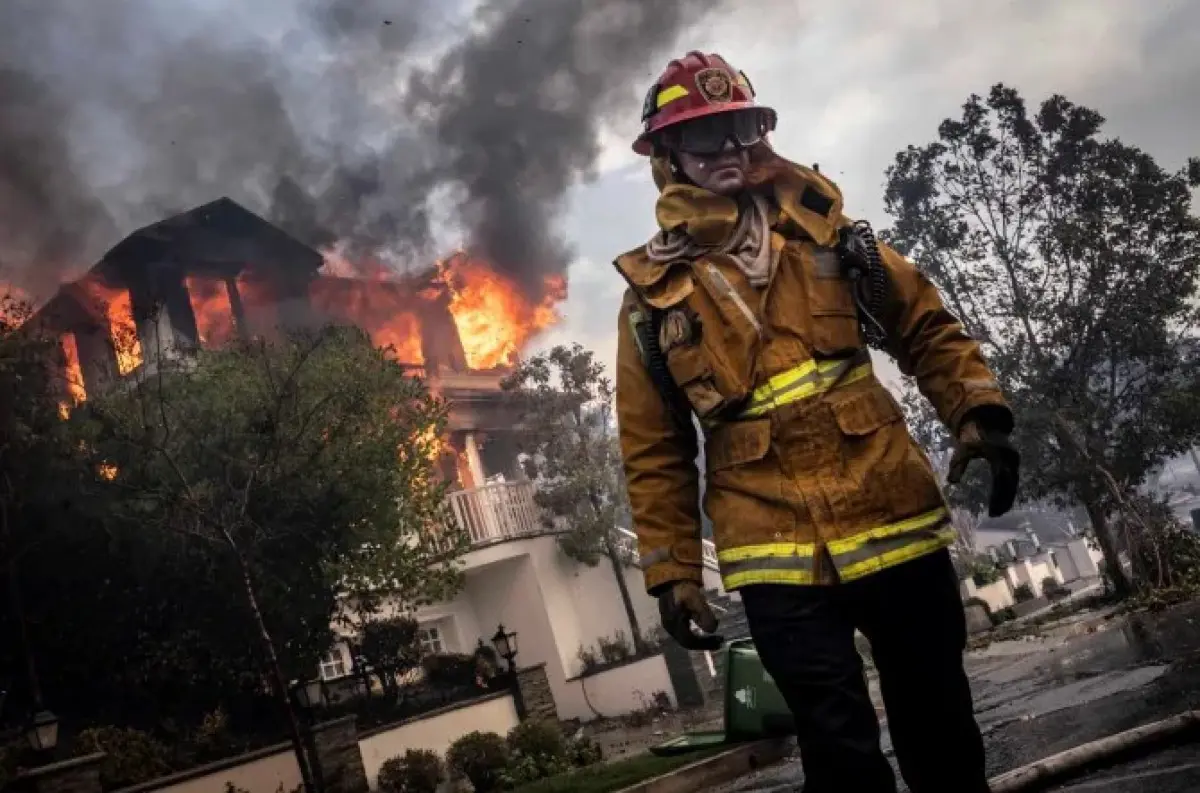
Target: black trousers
x=913 y=617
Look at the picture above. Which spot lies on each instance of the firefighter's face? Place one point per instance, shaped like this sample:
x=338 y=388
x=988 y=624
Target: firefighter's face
x=723 y=173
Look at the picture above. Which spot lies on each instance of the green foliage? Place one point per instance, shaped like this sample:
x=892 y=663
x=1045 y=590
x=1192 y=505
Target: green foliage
x=1165 y=551
x=984 y=571
x=1052 y=589
x=260 y=480
x=615 y=648
x=611 y=777
x=481 y=757
x=1022 y=593
x=566 y=406
x=583 y=751
x=130 y=756
x=588 y=658
x=455 y=670
x=391 y=646
x=978 y=602
x=1074 y=260
x=418 y=771
x=539 y=739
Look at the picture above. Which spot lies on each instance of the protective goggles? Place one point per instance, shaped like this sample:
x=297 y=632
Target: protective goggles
x=706 y=136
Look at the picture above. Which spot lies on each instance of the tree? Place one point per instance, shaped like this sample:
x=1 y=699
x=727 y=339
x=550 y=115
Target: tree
x=1073 y=259
x=568 y=431
x=299 y=470
x=32 y=482
x=391 y=646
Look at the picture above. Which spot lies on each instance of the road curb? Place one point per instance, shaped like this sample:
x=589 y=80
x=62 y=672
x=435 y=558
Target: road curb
x=717 y=769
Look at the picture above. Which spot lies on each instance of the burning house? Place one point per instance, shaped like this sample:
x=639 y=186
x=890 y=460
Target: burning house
x=203 y=277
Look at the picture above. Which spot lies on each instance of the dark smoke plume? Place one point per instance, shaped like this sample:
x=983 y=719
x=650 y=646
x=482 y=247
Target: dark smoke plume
x=363 y=122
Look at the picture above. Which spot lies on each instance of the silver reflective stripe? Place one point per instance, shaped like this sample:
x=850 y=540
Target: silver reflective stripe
x=874 y=548
x=733 y=295
x=654 y=557
x=793 y=562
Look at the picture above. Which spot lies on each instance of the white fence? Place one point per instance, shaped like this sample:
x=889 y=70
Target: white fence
x=496 y=512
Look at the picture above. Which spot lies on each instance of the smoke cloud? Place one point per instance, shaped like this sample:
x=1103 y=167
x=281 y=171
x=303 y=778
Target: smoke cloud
x=378 y=125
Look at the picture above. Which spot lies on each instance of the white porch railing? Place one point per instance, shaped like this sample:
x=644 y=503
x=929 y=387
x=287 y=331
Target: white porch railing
x=507 y=511
x=495 y=512
x=628 y=541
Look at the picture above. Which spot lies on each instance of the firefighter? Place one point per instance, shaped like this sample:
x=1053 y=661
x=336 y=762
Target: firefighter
x=747 y=319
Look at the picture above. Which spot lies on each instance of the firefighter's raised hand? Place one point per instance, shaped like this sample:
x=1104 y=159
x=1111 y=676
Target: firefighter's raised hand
x=683 y=603
x=977 y=442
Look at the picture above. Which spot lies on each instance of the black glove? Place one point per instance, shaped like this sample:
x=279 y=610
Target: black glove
x=680 y=604
x=976 y=441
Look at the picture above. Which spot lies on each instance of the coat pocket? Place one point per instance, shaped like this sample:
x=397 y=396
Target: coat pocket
x=744 y=497
x=893 y=473
x=833 y=317
x=693 y=372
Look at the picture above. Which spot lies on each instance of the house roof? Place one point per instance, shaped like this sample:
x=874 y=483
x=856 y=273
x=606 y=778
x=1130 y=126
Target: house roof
x=221 y=235
x=1050 y=527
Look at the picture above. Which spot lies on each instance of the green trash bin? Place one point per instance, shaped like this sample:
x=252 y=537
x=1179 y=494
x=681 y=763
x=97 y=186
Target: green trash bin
x=754 y=707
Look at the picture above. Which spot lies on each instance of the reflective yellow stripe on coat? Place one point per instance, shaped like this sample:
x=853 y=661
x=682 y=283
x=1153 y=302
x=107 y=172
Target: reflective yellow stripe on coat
x=854 y=557
x=806 y=381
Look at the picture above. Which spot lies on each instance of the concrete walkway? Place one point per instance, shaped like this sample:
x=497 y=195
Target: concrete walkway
x=1080 y=680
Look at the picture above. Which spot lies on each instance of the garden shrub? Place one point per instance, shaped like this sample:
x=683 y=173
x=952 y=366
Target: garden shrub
x=537 y=738
x=450 y=669
x=583 y=751
x=130 y=756
x=1052 y=589
x=481 y=757
x=418 y=771
x=1022 y=593
x=614 y=649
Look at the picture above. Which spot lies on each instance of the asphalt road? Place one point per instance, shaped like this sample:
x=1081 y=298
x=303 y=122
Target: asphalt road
x=1038 y=697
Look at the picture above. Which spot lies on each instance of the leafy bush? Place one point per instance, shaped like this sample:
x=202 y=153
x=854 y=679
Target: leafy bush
x=984 y=571
x=614 y=649
x=588 y=658
x=481 y=757
x=212 y=739
x=131 y=756
x=1022 y=593
x=583 y=751
x=418 y=771
x=539 y=739
x=1052 y=589
x=1004 y=615
x=449 y=669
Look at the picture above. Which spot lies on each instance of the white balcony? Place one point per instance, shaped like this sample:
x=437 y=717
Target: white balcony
x=506 y=511
x=497 y=512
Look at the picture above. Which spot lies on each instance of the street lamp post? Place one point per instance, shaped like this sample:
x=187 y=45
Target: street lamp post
x=42 y=732
x=505 y=644
x=309 y=696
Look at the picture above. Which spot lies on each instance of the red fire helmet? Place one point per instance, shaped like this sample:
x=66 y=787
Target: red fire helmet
x=690 y=87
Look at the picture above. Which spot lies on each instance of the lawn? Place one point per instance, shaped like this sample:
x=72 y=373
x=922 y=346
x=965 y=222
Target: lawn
x=610 y=777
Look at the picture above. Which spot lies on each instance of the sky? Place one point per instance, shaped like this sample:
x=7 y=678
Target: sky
x=403 y=127
x=856 y=81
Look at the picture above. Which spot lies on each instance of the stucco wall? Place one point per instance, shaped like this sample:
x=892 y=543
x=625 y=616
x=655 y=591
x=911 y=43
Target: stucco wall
x=259 y=772
x=435 y=732
x=619 y=690
x=997 y=594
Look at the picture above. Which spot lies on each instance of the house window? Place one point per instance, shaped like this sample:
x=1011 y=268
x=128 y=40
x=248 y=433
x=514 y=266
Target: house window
x=333 y=665
x=431 y=641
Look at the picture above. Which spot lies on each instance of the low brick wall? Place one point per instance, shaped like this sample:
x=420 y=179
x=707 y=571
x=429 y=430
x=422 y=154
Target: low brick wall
x=536 y=694
x=77 y=775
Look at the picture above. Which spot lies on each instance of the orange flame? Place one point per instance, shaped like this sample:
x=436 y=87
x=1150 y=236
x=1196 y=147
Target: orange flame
x=494 y=319
x=72 y=375
x=122 y=329
x=211 y=307
x=382 y=309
